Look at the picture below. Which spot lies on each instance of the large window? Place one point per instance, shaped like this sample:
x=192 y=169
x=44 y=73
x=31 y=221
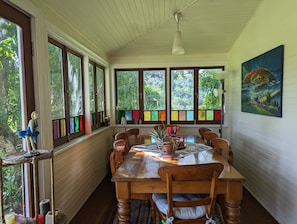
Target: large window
x=97 y=95
x=67 y=100
x=182 y=95
x=141 y=95
x=192 y=95
x=16 y=99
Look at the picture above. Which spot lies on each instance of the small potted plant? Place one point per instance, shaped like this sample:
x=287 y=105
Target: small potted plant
x=159 y=136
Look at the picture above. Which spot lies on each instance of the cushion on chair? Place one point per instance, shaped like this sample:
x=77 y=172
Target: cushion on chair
x=179 y=212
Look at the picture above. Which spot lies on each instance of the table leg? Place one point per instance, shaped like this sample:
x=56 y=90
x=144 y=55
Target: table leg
x=233 y=198
x=123 y=211
x=232 y=211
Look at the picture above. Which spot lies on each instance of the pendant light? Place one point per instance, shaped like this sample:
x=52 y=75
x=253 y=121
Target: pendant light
x=177 y=47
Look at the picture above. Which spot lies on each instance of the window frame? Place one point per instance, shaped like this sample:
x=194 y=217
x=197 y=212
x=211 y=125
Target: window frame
x=98 y=124
x=141 y=92
x=196 y=95
x=196 y=70
x=68 y=137
x=23 y=20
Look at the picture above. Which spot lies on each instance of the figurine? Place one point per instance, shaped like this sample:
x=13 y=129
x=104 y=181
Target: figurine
x=30 y=135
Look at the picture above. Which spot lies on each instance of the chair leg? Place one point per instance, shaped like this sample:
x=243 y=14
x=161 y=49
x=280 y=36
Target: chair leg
x=155 y=213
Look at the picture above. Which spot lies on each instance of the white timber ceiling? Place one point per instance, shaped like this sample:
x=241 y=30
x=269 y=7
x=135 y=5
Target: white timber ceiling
x=146 y=27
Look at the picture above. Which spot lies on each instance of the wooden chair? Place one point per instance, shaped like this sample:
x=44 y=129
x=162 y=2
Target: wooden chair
x=223 y=147
x=203 y=130
x=133 y=136
x=123 y=135
x=208 y=136
x=118 y=155
x=116 y=158
x=188 y=208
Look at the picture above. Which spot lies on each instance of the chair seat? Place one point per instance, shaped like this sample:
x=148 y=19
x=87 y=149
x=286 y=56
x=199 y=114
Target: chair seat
x=180 y=212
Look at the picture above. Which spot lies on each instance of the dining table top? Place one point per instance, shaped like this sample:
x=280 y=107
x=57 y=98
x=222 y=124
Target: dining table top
x=143 y=161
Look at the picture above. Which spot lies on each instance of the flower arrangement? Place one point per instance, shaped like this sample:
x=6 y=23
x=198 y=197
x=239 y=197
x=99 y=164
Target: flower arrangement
x=171 y=130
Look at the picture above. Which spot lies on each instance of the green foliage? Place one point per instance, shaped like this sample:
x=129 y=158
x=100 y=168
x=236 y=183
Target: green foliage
x=75 y=85
x=154 y=90
x=182 y=89
x=56 y=81
x=10 y=117
x=12 y=194
x=154 y=86
x=207 y=84
x=127 y=90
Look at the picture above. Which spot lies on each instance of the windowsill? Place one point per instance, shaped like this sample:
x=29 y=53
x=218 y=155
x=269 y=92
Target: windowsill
x=152 y=125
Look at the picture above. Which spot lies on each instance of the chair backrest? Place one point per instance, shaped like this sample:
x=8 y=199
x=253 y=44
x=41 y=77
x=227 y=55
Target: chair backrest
x=118 y=154
x=133 y=136
x=198 y=172
x=222 y=146
x=208 y=136
x=202 y=130
x=123 y=135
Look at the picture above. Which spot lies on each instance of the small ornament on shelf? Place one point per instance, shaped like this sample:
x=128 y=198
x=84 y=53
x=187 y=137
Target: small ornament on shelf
x=30 y=135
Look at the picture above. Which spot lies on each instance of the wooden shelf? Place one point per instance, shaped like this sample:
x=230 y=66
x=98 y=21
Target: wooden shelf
x=19 y=158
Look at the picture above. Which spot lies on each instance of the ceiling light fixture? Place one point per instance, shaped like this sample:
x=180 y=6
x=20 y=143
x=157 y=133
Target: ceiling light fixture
x=177 y=47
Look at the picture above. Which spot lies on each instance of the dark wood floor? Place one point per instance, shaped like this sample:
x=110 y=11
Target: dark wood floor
x=100 y=207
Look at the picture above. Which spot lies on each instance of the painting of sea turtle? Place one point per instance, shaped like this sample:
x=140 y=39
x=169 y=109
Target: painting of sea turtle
x=261 y=86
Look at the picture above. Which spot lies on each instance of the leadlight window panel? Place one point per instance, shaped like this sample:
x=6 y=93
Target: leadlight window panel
x=72 y=125
x=154 y=99
x=182 y=95
x=127 y=82
x=209 y=105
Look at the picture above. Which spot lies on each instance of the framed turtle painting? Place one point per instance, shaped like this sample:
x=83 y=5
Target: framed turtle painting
x=262 y=83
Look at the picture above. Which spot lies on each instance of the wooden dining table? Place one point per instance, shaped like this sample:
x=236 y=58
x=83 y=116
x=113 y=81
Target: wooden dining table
x=138 y=175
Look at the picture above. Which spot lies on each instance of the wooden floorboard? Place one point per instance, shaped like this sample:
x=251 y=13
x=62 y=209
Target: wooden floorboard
x=101 y=206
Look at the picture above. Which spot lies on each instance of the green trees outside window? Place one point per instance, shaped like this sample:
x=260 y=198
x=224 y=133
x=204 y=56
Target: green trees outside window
x=127 y=83
x=67 y=101
x=16 y=98
x=192 y=97
x=97 y=96
x=141 y=94
x=56 y=81
x=10 y=114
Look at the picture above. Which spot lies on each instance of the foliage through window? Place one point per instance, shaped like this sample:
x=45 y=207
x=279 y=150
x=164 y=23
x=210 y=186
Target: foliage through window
x=97 y=96
x=141 y=95
x=16 y=98
x=192 y=95
x=67 y=100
